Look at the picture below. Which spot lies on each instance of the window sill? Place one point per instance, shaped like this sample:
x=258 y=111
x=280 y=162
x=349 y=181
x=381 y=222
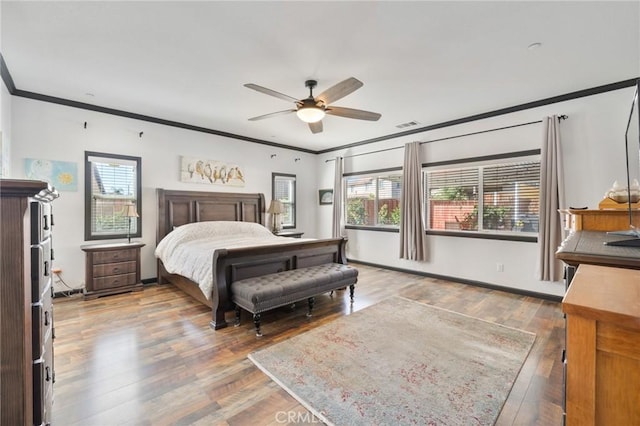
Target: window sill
x=511 y=236
x=373 y=228
x=527 y=238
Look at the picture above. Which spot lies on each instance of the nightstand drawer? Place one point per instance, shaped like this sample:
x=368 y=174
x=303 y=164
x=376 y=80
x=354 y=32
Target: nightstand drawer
x=114 y=281
x=112 y=256
x=107 y=269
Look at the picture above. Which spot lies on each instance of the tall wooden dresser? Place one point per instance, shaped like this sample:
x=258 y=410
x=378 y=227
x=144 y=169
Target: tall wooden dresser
x=26 y=293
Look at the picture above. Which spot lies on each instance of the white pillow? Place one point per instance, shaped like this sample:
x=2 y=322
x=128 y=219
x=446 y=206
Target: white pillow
x=193 y=230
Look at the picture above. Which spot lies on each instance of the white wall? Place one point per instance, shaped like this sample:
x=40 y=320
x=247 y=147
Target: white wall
x=54 y=132
x=593 y=149
x=5 y=129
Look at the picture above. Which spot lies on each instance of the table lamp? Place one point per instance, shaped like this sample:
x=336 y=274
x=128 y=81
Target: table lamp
x=130 y=213
x=275 y=209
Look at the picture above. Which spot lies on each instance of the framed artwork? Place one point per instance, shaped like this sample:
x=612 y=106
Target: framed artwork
x=210 y=172
x=325 y=196
x=63 y=175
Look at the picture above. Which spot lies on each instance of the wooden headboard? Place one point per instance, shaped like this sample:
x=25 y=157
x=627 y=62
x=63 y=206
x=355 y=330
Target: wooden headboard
x=177 y=208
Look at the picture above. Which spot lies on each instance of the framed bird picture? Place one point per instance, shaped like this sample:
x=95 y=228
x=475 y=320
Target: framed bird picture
x=210 y=172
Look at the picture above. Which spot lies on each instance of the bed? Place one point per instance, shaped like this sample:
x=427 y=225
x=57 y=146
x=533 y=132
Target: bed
x=177 y=208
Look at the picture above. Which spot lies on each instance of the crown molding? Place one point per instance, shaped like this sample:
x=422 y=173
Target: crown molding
x=14 y=91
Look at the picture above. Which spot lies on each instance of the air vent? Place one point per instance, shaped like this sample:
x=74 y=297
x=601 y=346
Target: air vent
x=407 y=124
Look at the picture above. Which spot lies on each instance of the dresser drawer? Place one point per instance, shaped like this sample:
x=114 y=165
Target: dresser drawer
x=40 y=221
x=114 y=281
x=107 y=269
x=43 y=380
x=41 y=325
x=112 y=256
x=40 y=268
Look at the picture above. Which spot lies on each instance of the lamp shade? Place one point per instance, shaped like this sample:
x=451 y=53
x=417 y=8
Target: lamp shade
x=131 y=211
x=275 y=207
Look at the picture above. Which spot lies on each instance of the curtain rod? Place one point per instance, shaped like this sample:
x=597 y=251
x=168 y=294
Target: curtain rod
x=560 y=117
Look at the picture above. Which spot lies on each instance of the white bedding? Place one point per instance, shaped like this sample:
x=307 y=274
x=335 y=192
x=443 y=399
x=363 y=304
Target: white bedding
x=188 y=249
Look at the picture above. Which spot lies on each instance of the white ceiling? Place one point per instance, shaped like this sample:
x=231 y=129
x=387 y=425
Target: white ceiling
x=420 y=61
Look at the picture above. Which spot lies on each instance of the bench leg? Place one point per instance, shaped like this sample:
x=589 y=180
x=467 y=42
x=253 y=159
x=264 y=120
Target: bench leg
x=237 y=323
x=351 y=289
x=311 y=301
x=256 y=321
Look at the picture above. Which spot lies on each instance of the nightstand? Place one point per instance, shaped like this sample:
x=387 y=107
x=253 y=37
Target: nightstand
x=292 y=234
x=112 y=268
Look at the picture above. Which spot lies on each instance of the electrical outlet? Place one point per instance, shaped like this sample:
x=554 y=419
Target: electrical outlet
x=500 y=267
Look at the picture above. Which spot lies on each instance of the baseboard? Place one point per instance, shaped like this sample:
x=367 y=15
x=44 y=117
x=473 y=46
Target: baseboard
x=67 y=293
x=544 y=296
x=518 y=291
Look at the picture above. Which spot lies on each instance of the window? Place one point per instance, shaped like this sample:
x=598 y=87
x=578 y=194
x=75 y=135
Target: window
x=283 y=188
x=112 y=183
x=503 y=196
x=373 y=200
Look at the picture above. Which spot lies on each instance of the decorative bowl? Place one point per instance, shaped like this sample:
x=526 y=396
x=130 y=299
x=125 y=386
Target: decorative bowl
x=622 y=196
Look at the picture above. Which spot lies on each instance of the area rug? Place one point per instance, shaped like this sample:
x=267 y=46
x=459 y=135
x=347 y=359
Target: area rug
x=400 y=362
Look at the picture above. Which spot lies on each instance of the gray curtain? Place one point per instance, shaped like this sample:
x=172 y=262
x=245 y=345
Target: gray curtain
x=551 y=199
x=338 y=201
x=412 y=236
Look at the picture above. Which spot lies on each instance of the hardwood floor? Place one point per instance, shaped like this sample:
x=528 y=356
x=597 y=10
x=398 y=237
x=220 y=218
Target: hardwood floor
x=150 y=358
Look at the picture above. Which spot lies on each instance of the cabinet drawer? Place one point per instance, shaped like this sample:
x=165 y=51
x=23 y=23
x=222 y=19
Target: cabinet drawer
x=40 y=268
x=114 y=281
x=40 y=221
x=107 y=269
x=112 y=256
x=41 y=325
x=43 y=379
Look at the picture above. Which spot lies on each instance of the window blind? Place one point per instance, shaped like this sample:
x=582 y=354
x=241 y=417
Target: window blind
x=495 y=198
x=113 y=187
x=511 y=194
x=284 y=191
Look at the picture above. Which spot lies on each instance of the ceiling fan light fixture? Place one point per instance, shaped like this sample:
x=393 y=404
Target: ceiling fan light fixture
x=312 y=109
x=310 y=113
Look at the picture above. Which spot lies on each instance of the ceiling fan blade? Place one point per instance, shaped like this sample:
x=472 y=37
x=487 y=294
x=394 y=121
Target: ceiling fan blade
x=316 y=127
x=353 y=113
x=273 y=114
x=271 y=92
x=340 y=90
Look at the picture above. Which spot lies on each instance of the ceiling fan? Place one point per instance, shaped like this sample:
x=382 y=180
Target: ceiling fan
x=312 y=110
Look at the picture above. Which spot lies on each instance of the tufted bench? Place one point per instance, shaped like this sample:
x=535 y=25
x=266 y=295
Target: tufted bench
x=259 y=294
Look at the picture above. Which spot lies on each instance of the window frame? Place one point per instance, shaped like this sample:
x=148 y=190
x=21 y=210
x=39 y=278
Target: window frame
x=377 y=175
x=88 y=196
x=478 y=162
x=288 y=176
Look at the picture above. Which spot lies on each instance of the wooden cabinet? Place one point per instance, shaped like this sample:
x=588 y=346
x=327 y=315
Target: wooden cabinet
x=598 y=220
x=603 y=347
x=26 y=308
x=112 y=268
